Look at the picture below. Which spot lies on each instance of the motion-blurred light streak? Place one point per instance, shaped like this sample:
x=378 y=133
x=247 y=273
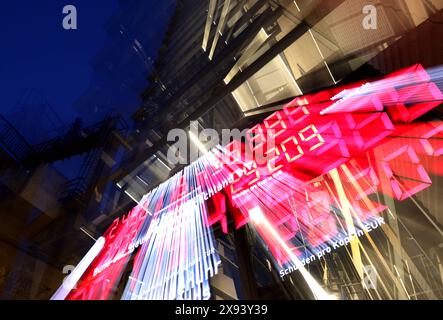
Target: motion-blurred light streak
x=331 y=152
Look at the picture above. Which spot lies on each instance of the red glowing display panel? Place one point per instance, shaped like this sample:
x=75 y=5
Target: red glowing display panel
x=303 y=167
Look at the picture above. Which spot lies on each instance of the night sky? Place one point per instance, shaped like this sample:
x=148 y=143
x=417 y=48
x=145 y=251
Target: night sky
x=36 y=52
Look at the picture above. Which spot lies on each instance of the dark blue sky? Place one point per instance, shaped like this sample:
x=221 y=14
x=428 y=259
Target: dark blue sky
x=36 y=52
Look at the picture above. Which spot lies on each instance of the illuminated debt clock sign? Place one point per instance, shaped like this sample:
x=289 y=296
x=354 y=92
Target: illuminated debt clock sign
x=331 y=151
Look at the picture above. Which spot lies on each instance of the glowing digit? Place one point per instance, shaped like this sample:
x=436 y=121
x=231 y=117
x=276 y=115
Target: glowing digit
x=314 y=135
x=277 y=126
x=399 y=173
x=291 y=149
x=433 y=147
x=369 y=129
x=274 y=163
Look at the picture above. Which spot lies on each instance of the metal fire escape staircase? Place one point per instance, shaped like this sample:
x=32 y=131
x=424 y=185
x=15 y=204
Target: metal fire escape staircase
x=91 y=140
x=76 y=141
x=13 y=143
x=90 y=170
